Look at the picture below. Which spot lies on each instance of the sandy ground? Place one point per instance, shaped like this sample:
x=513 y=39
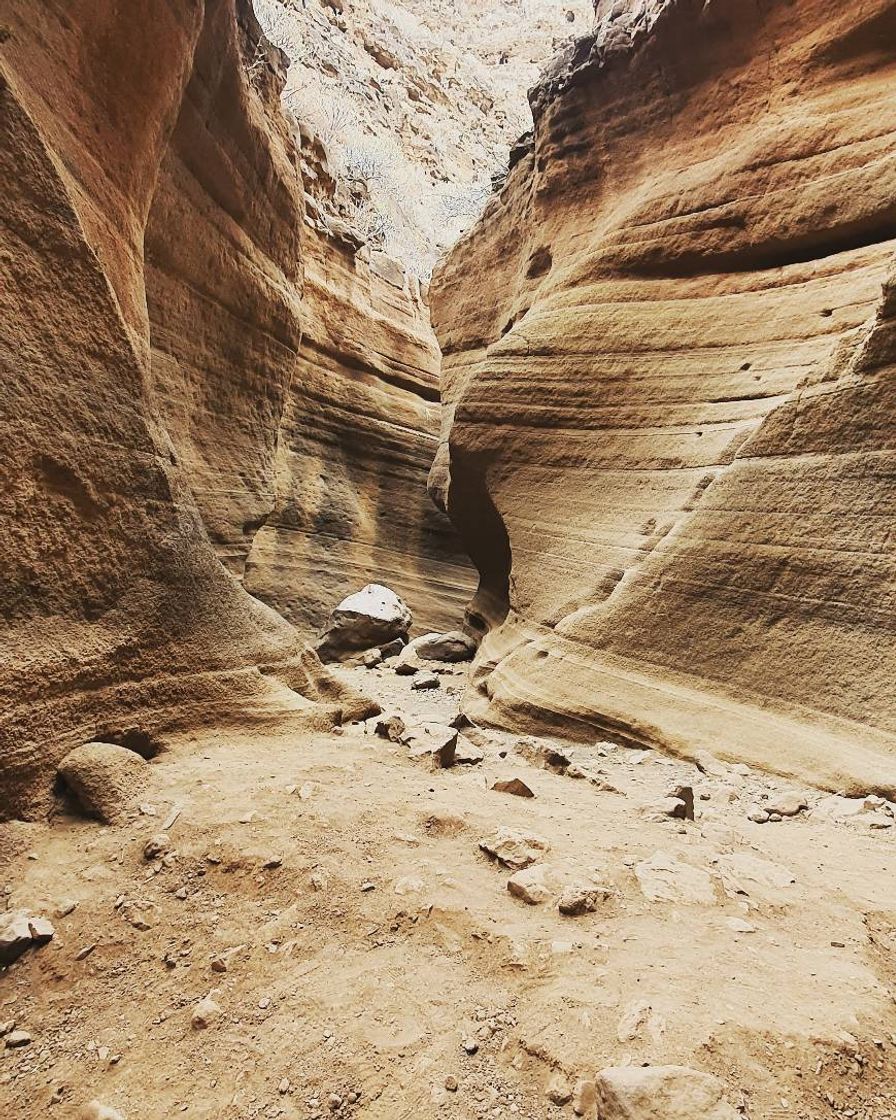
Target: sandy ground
x=368 y=944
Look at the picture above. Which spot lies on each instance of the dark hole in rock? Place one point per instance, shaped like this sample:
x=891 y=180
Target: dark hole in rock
x=540 y=262
x=133 y=739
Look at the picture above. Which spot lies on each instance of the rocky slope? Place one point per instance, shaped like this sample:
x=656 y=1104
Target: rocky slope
x=669 y=380
x=153 y=379
x=417 y=101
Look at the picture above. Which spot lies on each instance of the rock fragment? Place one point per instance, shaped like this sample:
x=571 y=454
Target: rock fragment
x=584 y=1097
x=516 y=786
x=452 y=646
x=425 y=681
x=104 y=779
x=391 y=727
x=21 y=930
x=661 y=1093
x=514 y=849
x=16 y=1039
x=205 y=1013
x=578 y=900
x=466 y=753
x=530 y=885
x=558 y=1090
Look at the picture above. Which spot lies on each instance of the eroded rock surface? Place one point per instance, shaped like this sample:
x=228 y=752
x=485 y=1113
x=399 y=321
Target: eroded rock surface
x=670 y=391
x=150 y=322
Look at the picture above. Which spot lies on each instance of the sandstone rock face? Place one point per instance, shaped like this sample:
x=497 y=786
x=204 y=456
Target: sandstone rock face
x=150 y=323
x=354 y=446
x=670 y=347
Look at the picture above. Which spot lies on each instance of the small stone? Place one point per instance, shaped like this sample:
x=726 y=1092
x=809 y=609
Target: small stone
x=466 y=753
x=82 y=954
x=757 y=815
x=392 y=728
x=156 y=846
x=685 y=794
x=514 y=849
x=787 y=805
x=65 y=908
x=470 y=1045
x=5 y=1028
x=774 y=817
x=283 y=1087
x=578 y=900
x=451 y=1083
x=584 y=1097
x=739 y=925
x=16 y=1039
x=368 y=886
x=205 y=1013
x=529 y=885
x=219 y=964
x=334 y=1102
x=558 y=1090
x=264 y=1003
x=424 y=682
x=371 y=658
x=19 y=931
x=513 y=785
x=181 y=893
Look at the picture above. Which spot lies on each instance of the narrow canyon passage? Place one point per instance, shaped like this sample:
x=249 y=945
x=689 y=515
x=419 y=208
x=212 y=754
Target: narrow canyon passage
x=449 y=582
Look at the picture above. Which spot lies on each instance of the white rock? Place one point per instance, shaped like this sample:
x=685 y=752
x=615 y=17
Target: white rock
x=514 y=849
x=530 y=885
x=205 y=1013
x=661 y=1093
x=371 y=617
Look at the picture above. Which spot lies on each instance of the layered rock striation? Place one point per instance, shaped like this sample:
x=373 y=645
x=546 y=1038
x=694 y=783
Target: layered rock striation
x=151 y=326
x=670 y=403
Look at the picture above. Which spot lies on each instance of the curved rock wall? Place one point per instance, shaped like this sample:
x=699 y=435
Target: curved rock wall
x=669 y=391
x=357 y=438
x=150 y=326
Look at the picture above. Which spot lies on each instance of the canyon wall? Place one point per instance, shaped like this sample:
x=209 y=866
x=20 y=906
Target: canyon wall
x=670 y=402
x=153 y=377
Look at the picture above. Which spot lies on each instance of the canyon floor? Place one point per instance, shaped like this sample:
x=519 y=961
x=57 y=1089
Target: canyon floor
x=369 y=960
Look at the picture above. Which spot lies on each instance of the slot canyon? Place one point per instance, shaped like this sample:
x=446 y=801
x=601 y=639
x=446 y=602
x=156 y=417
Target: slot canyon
x=448 y=507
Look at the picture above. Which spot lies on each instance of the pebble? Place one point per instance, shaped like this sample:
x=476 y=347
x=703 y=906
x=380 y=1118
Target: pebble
x=451 y=1083
x=470 y=1045
x=205 y=1013
x=425 y=681
x=82 y=954
x=156 y=846
x=368 y=886
x=16 y=1039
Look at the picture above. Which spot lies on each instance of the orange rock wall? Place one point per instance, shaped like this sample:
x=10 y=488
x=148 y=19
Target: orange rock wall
x=151 y=218
x=670 y=396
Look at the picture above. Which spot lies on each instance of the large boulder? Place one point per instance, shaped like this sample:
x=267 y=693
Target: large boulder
x=371 y=617
x=661 y=1093
x=104 y=779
